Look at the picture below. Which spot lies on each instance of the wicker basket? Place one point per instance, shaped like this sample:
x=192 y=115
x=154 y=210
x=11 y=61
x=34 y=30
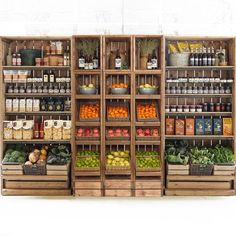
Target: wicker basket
x=198 y=169
x=36 y=169
x=179 y=59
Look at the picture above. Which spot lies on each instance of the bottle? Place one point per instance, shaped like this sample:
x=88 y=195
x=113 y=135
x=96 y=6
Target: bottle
x=18 y=59
x=149 y=62
x=204 y=57
x=154 y=60
x=200 y=57
x=14 y=59
x=81 y=60
x=86 y=63
x=65 y=56
x=51 y=77
x=90 y=63
x=209 y=57
x=196 y=58
x=9 y=57
x=45 y=77
x=118 y=60
x=95 y=60
x=213 y=57
x=191 y=58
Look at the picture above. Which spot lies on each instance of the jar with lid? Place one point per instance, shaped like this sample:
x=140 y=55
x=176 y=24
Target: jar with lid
x=58 y=80
x=211 y=107
x=205 y=90
x=68 y=88
x=200 y=90
x=173 y=90
x=186 y=108
x=190 y=90
x=45 y=89
x=228 y=90
x=217 y=107
x=195 y=90
x=179 y=108
x=211 y=90
x=67 y=105
x=43 y=105
x=51 y=105
x=168 y=90
x=62 y=89
x=59 y=105
x=167 y=107
x=173 y=108
x=222 y=90
x=222 y=107
x=40 y=89
x=184 y=90
x=10 y=89
x=16 y=89
x=205 y=107
x=50 y=89
x=67 y=79
x=192 y=108
x=22 y=89
x=34 y=89
x=178 y=90
x=56 y=89
x=28 y=89
x=228 y=107
x=216 y=89
x=199 y=108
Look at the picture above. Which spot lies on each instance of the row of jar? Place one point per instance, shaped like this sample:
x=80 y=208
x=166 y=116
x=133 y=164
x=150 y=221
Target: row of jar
x=199 y=90
x=205 y=107
x=51 y=88
x=36 y=105
x=30 y=129
x=199 y=80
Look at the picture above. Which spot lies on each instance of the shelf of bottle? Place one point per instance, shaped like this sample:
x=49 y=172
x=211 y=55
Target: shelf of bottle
x=37 y=95
x=148 y=72
x=41 y=113
x=199 y=67
x=36 y=67
x=204 y=137
x=36 y=141
x=199 y=95
x=198 y=113
x=151 y=96
x=84 y=123
x=87 y=72
x=117 y=72
x=118 y=96
x=148 y=123
x=87 y=96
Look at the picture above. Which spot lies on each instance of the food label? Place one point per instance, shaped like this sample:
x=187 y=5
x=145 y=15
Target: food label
x=8 y=105
x=217 y=127
x=189 y=129
x=154 y=63
x=15 y=105
x=29 y=104
x=95 y=63
x=199 y=126
x=81 y=62
x=118 y=62
x=170 y=122
x=22 y=105
x=179 y=126
x=227 y=126
x=208 y=126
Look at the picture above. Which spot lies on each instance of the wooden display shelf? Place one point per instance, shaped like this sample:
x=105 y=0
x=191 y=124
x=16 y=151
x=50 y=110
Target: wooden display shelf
x=152 y=96
x=202 y=137
x=148 y=72
x=36 y=67
x=82 y=123
x=199 y=67
x=146 y=123
x=118 y=142
x=148 y=142
x=87 y=142
x=117 y=72
x=118 y=124
x=91 y=96
x=42 y=113
x=87 y=72
x=37 y=95
x=118 y=96
x=199 y=113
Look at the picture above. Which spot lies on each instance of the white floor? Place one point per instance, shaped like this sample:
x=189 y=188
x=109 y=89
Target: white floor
x=37 y=216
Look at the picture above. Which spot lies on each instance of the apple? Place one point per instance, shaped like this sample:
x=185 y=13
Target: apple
x=155 y=134
x=110 y=131
x=111 y=135
x=79 y=135
x=95 y=130
x=96 y=135
x=118 y=134
x=80 y=131
x=126 y=135
x=118 y=130
x=125 y=131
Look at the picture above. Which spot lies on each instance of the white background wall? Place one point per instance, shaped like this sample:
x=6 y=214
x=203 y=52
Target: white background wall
x=51 y=17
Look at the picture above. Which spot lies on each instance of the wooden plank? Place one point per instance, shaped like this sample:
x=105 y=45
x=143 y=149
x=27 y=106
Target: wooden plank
x=148 y=184
x=117 y=184
x=36 y=185
x=58 y=167
x=88 y=193
x=35 y=177
x=117 y=193
x=148 y=193
x=12 y=172
x=198 y=185
x=216 y=167
x=178 y=167
x=87 y=173
x=60 y=172
x=199 y=178
x=36 y=192
x=88 y=184
x=199 y=192
x=178 y=172
x=12 y=167
x=148 y=173
x=219 y=172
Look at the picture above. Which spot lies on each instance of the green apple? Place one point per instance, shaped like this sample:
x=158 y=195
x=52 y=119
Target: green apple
x=91 y=86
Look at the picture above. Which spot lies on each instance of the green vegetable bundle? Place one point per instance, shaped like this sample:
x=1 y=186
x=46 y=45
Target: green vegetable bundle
x=59 y=155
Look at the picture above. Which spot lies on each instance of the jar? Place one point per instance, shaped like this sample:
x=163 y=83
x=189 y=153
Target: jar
x=43 y=105
x=10 y=89
x=56 y=89
x=228 y=90
x=36 y=130
x=178 y=90
x=222 y=107
x=67 y=106
x=199 y=108
x=216 y=90
x=172 y=90
x=16 y=90
x=211 y=90
x=51 y=105
x=184 y=90
x=22 y=89
x=179 y=108
x=211 y=107
x=200 y=90
x=205 y=90
x=40 y=89
x=228 y=107
x=67 y=79
x=68 y=88
x=217 y=107
x=222 y=90
x=167 y=107
x=34 y=89
x=173 y=108
x=59 y=105
x=45 y=89
x=186 y=108
x=50 y=89
x=206 y=80
x=189 y=90
x=28 y=89
x=58 y=80
x=195 y=90
x=205 y=107
x=62 y=89
x=211 y=79
x=192 y=108
x=216 y=79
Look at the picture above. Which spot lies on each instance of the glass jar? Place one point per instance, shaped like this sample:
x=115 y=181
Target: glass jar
x=195 y=90
x=205 y=107
x=228 y=90
x=186 y=108
x=45 y=89
x=167 y=90
x=192 y=108
x=56 y=89
x=59 y=105
x=211 y=107
x=172 y=90
x=189 y=90
x=16 y=89
x=67 y=79
x=28 y=89
x=40 y=89
x=217 y=89
x=211 y=90
x=67 y=106
x=10 y=89
x=205 y=90
x=184 y=90
x=199 y=108
x=62 y=89
x=51 y=105
x=22 y=89
x=179 y=108
x=34 y=89
x=50 y=89
x=222 y=90
x=178 y=90
x=43 y=105
x=200 y=90
x=228 y=107
x=173 y=108
x=217 y=107
x=222 y=107
x=167 y=108
x=68 y=90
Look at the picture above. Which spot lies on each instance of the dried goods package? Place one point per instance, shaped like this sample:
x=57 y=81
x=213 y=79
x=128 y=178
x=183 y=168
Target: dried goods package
x=66 y=132
x=48 y=126
x=28 y=129
x=57 y=129
x=7 y=130
x=17 y=129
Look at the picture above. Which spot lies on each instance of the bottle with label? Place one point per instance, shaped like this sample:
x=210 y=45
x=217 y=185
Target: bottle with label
x=118 y=60
x=9 y=57
x=200 y=57
x=95 y=60
x=18 y=59
x=213 y=57
x=86 y=63
x=66 y=56
x=196 y=58
x=209 y=57
x=51 y=77
x=191 y=58
x=90 y=63
x=149 y=62
x=81 y=60
x=45 y=77
x=154 y=60
x=204 y=57
x=14 y=59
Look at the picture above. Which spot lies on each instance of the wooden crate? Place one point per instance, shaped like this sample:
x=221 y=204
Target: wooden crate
x=88 y=188
x=118 y=188
x=177 y=169
x=148 y=188
x=12 y=170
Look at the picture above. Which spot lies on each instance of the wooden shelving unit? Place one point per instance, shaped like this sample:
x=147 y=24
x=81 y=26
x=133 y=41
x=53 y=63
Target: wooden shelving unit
x=179 y=182
x=57 y=181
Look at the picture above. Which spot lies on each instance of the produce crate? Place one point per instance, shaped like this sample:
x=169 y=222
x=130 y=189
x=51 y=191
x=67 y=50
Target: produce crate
x=12 y=169
x=88 y=188
x=118 y=119
x=118 y=187
x=118 y=170
x=88 y=119
x=148 y=138
x=148 y=187
x=35 y=169
x=177 y=169
x=147 y=119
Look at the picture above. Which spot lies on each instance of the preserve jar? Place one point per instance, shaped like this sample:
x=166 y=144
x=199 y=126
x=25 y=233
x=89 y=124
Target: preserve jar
x=184 y=90
x=45 y=89
x=205 y=90
x=34 y=89
x=59 y=105
x=62 y=89
x=67 y=105
x=217 y=107
x=16 y=89
x=222 y=107
x=216 y=90
x=192 y=108
x=178 y=90
x=211 y=90
x=199 y=108
x=56 y=89
x=195 y=90
x=51 y=105
x=40 y=89
x=10 y=89
x=167 y=90
x=22 y=89
x=228 y=90
x=186 y=108
x=173 y=108
x=211 y=107
x=28 y=89
x=222 y=90
x=228 y=107
x=172 y=90
x=167 y=108
x=189 y=90
x=200 y=90
x=179 y=108
x=43 y=105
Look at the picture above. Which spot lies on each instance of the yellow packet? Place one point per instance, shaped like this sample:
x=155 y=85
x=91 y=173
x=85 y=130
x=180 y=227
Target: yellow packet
x=194 y=46
x=172 y=48
x=183 y=47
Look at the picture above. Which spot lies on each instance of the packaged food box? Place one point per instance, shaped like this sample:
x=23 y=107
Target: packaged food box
x=17 y=129
x=48 y=126
x=7 y=130
x=66 y=132
x=57 y=129
x=15 y=76
x=179 y=126
x=29 y=104
x=8 y=105
x=227 y=126
x=28 y=126
x=170 y=126
x=22 y=105
x=7 y=76
x=207 y=126
x=15 y=105
x=189 y=126
x=199 y=126
x=217 y=126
